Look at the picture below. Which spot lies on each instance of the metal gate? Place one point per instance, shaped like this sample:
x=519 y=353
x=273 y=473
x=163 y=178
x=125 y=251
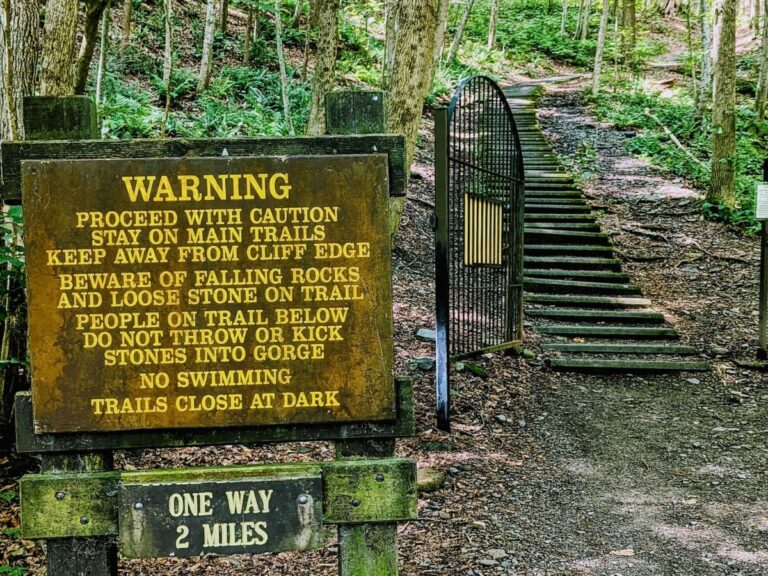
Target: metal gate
x=479 y=183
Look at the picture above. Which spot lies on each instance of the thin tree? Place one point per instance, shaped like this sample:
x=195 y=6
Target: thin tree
x=761 y=94
x=325 y=63
x=206 y=61
x=563 y=17
x=94 y=10
x=58 y=52
x=442 y=24
x=705 y=78
x=600 y=47
x=722 y=184
x=297 y=9
x=492 y=23
x=410 y=80
x=168 y=61
x=460 y=31
x=582 y=26
x=125 y=40
x=103 y=49
x=629 y=22
x=224 y=16
x=247 y=36
x=281 y=63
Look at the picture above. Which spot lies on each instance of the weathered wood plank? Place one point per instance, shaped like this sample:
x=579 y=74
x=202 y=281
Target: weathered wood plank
x=29 y=442
x=377 y=491
x=81 y=505
x=13 y=153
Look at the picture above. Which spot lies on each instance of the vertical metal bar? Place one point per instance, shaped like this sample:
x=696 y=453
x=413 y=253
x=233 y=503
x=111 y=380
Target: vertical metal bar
x=762 y=338
x=442 y=269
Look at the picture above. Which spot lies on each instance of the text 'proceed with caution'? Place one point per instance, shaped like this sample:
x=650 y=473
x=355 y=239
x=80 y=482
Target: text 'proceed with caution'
x=199 y=293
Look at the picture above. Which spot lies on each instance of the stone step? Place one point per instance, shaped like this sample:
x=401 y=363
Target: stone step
x=539 y=208
x=548 y=178
x=574 y=262
x=558 y=201
x=563 y=225
x=597 y=348
x=600 y=365
x=560 y=249
x=535 y=284
x=588 y=301
x=577 y=330
x=592 y=275
x=538 y=185
x=549 y=217
x=553 y=234
x=581 y=315
x=534 y=195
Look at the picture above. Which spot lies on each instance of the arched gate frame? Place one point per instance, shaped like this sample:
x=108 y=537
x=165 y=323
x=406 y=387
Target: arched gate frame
x=479 y=206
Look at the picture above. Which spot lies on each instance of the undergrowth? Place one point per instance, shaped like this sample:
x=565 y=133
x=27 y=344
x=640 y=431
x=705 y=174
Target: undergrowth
x=626 y=109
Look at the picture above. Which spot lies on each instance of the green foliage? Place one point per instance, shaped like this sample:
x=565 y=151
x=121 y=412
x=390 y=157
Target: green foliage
x=12 y=571
x=11 y=271
x=8 y=496
x=12 y=532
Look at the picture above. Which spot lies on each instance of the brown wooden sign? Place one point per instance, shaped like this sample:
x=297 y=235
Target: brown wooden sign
x=228 y=517
x=184 y=293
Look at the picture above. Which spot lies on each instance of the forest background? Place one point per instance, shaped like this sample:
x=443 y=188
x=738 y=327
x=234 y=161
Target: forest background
x=687 y=80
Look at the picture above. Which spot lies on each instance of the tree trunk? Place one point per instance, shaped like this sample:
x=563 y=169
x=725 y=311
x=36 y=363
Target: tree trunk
x=94 y=9
x=492 y=23
x=442 y=24
x=391 y=15
x=584 y=30
x=629 y=37
x=281 y=63
x=18 y=80
x=325 y=63
x=103 y=49
x=224 y=16
x=410 y=80
x=460 y=31
x=722 y=185
x=297 y=9
x=247 y=37
x=57 y=56
x=168 y=61
x=206 y=61
x=600 y=47
x=564 y=17
x=761 y=96
x=127 y=21
x=705 y=80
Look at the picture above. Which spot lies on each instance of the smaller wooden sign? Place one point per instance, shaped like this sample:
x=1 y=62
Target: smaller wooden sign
x=179 y=519
x=761 y=202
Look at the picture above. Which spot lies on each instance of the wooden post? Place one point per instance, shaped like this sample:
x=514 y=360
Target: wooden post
x=364 y=549
x=762 y=334
x=71 y=118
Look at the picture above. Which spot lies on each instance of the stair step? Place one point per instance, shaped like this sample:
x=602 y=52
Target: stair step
x=592 y=275
x=558 y=185
x=562 y=225
x=574 y=262
x=598 y=365
x=561 y=249
x=608 y=331
x=577 y=287
x=549 y=217
x=529 y=193
x=596 y=348
x=538 y=208
x=595 y=301
x=581 y=315
x=553 y=234
x=557 y=201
